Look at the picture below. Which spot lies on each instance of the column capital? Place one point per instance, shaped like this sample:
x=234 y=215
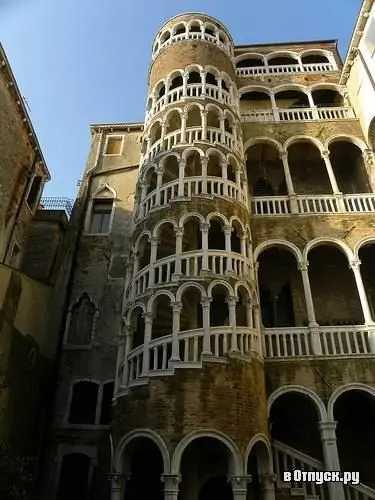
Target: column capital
x=116 y=477
x=205 y=226
x=327 y=430
x=369 y=156
x=206 y=301
x=127 y=331
x=303 y=266
x=179 y=231
x=223 y=163
x=240 y=482
x=354 y=264
x=159 y=170
x=231 y=300
x=283 y=155
x=184 y=115
x=176 y=306
x=325 y=154
x=171 y=482
x=203 y=113
x=268 y=478
x=204 y=160
x=147 y=316
x=154 y=241
x=227 y=230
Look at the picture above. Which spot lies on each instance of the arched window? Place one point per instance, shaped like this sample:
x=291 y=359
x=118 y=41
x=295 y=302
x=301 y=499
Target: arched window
x=101 y=212
x=84 y=403
x=106 y=405
x=74 y=477
x=81 y=322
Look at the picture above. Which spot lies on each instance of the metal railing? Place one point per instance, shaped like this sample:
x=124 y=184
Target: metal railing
x=65 y=204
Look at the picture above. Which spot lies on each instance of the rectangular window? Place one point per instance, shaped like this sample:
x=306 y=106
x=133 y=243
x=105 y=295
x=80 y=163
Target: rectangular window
x=114 y=145
x=101 y=216
x=33 y=195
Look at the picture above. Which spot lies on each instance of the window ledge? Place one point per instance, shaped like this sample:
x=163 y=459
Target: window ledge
x=97 y=234
x=77 y=347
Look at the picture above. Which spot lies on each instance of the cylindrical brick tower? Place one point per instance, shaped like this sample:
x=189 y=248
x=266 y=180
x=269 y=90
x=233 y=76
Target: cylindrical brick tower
x=190 y=406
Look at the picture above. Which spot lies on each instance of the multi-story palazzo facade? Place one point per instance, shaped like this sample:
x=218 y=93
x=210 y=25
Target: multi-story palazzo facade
x=223 y=290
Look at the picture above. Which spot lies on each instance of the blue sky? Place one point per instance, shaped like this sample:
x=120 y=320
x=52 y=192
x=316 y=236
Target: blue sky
x=79 y=62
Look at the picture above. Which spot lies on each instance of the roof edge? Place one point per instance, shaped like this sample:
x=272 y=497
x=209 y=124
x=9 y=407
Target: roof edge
x=4 y=63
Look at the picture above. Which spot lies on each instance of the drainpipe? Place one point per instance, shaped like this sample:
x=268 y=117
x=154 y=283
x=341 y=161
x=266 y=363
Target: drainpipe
x=51 y=393
x=29 y=175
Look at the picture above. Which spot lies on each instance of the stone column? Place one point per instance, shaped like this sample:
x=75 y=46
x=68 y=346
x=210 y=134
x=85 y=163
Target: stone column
x=177 y=308
x=313 y=325
x=145 y=187
x=289 y=183
x=163 y=130
x=275 y=109
x=179 y=231
x=355 y=267
x=159 y=182
x=227 y=232
x=232 y=301
x=171 y=486
x=222 y=130
x=153 y=257
x=185 y=78
x=258 y=328
x=127 y=349
x=332 y=180
x=135 y=271
x=204 y=230
x=267 y=483
x=118 y=482
x=204 y=125
x=312 y=105
x=205 y=302
x=120 y=357
x=204 y=83
x=220 y=88
x=181 y=176
x=243 y=252
x=204 y=162
x=331 y=457
x=183 y=127
x=239 y=486
x=146 y=351
x=224 y=175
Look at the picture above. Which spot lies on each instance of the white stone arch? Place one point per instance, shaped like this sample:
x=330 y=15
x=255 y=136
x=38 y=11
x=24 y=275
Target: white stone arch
x=163 y=160
x=190 y=284
x=129 y=312
x=100 y=190
x=191 y=215
x=355 y=386
x=198 y=68
x=303 y=138
x=178 y=25
x=322 y=412
x=145 y=433
x=218 y=282
x=172 y=74
x=163 y=34
x=316 y=52
x=282 y=53
x=254 y=88
x=161 y=223
x=263 y=140
x=187 y=151
x=226 y=78
x=214 y=71
x=290 y=86
x=217 y=215
x=210 y=25
x=159 y=84
x=229 y=113
x=243 y=284
x=150 y=303
x=326 y=85
x=361 y=243
x=259 y=438
x=232 y=159
x=214 y=152
x=147 y=170
x=346 y=138
x=236 y=463
x=326 y=240
x=194 y=21
x=215 y=108
x=237 y=219
x=140 y=237
x=251 y=55
x=170 y=111
x=155 y=121
x=191 y=105
x=278 y=243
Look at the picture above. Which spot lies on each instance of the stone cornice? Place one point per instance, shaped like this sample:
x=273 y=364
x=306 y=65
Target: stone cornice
x=126 y=127
x=356 y=39
x=10 y=80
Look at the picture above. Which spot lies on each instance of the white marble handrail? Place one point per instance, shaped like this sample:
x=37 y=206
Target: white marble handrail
x=274 y=69
x=298 y=114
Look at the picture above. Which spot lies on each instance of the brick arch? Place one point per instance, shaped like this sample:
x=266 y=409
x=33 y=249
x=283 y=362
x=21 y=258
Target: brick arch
x=346 y=388
x=260 y=438
x=322 y=412
x=236 y=459
x=145 y=433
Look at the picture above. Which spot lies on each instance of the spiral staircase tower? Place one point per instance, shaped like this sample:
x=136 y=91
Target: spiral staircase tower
x=190 y=369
